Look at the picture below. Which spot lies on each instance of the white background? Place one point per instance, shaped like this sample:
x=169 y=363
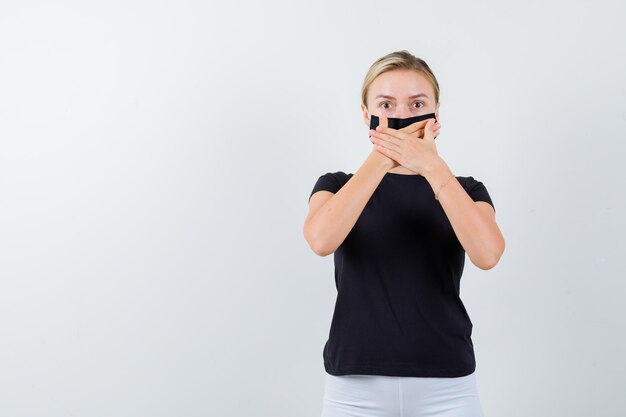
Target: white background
x=156 y=159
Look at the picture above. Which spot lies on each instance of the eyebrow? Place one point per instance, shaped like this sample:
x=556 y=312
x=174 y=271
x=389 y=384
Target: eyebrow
x=393 y=98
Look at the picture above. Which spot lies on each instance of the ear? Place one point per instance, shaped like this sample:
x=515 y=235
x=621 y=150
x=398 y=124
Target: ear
x=366 y=115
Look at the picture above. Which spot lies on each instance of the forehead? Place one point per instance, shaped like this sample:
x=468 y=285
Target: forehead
x=401 y=84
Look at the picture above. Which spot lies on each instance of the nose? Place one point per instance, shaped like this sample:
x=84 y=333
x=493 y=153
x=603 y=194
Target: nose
x=403 y=113
x=400 y=112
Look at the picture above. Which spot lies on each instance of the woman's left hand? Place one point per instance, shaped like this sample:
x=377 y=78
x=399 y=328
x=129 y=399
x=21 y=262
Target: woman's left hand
x=416 y=154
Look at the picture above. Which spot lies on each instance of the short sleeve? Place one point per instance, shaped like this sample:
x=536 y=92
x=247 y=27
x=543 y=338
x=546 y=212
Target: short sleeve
x=331 y=181
x=477 y=191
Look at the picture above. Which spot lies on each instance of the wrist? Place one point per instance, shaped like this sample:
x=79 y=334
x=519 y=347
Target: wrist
x=437 y=174
x=436 y=166
x=381 y=161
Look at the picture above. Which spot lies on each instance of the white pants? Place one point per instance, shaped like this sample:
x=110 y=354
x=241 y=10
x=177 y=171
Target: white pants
x=400 y=396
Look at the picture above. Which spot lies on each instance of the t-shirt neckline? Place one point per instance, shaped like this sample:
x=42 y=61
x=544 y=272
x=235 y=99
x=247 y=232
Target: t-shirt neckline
x=407 y=176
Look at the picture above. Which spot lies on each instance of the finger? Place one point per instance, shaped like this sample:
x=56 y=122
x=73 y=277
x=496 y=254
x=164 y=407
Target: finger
x=391 y=132
x=419 y=133
x=380 y=137
x=415 y=127
x=388 y=152
x=435 y=134
x=383 y=122
x=430 y=130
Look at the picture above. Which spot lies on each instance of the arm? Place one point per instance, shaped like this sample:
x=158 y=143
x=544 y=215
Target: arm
x=332 y=215
x=473 y=221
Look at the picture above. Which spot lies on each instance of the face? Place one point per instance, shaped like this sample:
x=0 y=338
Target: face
x=401 y=94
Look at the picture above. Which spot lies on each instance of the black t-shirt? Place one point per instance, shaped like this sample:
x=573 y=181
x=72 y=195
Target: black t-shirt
x=398 y=310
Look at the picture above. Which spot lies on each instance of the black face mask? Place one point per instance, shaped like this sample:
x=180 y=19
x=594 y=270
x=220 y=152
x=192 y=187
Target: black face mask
x=396 y=123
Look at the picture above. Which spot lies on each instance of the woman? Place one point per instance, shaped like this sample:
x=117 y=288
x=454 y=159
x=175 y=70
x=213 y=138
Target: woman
x=399 y=228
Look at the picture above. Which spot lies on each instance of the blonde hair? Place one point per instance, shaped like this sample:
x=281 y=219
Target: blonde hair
x=398 y=60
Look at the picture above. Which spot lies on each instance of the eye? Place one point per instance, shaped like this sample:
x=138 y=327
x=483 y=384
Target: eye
x=419 y=102
x=382 y=104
